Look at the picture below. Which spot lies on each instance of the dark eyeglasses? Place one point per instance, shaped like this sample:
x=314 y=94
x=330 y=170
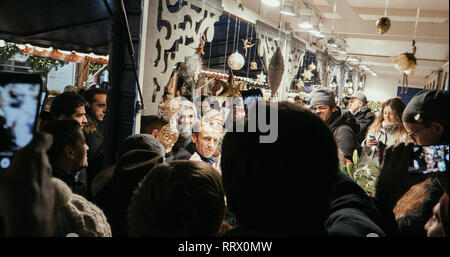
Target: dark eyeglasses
x=412 y=133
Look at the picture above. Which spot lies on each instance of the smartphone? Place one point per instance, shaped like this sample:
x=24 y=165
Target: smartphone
x=430 y=159
x=20 y=97
x=372 y=137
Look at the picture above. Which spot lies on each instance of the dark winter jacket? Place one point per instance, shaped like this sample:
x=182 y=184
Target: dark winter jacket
x=345 y=131
x=184 y=138
x=115 y=197
x=364 y=117
x=412 y=224
x=354 y=213
x=76 y=181
x=93 y=132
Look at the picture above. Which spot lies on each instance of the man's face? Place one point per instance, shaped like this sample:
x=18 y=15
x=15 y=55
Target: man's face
x=80 y=116
x=98 y=107
x=354 y=105
x=206 y=141
x=185 y=118
x=434 y=226
x=429 y=154
x=422 y=135
x=80 y=151
x=324 y=111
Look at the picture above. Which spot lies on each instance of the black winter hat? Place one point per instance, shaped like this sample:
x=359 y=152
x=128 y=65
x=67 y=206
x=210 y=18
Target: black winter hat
x=360 y=96
x=140 y=141
x=427 y=106
x=322 y=96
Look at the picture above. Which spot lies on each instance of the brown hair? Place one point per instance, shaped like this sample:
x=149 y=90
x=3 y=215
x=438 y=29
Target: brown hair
x=180 y=198
x=397 y=107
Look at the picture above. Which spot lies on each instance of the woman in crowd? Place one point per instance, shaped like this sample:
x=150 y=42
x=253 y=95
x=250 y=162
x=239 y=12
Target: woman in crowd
x=387 y=128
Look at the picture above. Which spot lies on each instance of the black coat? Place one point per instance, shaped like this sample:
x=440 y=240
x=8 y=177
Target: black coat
x=364 y=117
x=345 y=131
x=354 y=213
x=93 y=132
x=412 y=224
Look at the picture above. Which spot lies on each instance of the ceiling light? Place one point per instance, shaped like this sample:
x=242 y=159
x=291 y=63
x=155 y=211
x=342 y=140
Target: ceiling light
x=305 y=24
x=288 y=10
x=271 y=3
x=342 y=52
x=314 y=30
x=318 y=34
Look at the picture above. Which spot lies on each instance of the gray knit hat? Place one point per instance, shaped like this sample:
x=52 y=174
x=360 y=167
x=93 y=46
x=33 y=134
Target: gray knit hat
x=360 y=96
x=322 y=96
x=428 y=106
x=75 y=215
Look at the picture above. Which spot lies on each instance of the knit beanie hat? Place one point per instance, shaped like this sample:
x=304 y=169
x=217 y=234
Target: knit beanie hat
x=322 y=96
x=443 y=213
x=428 y=106
x=360 y=96
x=73 y=214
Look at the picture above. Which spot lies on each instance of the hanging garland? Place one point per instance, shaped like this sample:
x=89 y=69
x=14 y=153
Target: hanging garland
x=44 y=64
x=94 y=67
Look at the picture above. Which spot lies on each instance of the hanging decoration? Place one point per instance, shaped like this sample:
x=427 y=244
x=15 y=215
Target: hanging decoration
x=307 y=75
x=236 y=61
x=253 y=66
x=406 y=62
x=261 y=78
x=276 y=70
x=202 y=43
x=230 y=88
x=384 y=23
x=247 y=45
x=61 y=55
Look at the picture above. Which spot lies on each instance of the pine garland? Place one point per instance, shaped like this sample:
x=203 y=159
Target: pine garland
x=44 y=64
x=94 y=67
x=8 y=51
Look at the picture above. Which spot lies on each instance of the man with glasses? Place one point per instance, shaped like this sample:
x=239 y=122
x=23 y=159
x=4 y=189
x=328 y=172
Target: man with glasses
x=426 y=121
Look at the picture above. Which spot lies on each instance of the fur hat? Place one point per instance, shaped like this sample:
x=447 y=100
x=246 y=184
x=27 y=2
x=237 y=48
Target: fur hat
x=73 y=214
x=322 y=96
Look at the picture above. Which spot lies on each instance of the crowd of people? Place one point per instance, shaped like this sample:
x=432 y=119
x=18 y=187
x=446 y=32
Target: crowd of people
x=190 y=172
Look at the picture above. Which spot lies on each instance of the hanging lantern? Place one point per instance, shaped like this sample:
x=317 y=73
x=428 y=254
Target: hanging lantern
x=276 y=70
x=383 y=25
x=236 y=61
x=406 y=64
x=253 y=66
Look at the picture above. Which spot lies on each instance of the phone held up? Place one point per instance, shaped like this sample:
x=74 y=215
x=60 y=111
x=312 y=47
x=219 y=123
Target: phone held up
x=430 y=159
x=20 y=99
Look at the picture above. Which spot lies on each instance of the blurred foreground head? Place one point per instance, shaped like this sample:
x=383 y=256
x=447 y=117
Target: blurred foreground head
x=281 y=188
x=181 y=198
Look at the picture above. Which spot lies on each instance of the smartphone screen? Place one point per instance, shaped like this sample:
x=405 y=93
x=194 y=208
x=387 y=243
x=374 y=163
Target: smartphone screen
x=20 y=96
x=430 y=159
